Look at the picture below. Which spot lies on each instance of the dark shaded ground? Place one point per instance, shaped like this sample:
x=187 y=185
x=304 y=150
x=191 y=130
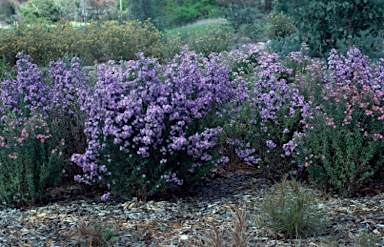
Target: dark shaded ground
x=216 y=180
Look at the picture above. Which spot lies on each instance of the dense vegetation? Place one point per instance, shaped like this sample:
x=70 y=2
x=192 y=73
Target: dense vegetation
x=141 y=127
x=158 y=114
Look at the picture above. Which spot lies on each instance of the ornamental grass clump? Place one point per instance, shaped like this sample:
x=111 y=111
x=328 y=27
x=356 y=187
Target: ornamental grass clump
x=151 y=127
x=289 y=209
x=237 y=235
x=342 y=144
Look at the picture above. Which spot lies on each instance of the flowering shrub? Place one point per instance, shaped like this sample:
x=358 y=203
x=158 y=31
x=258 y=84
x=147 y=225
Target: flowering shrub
x=30 y=159
x=38 y=118
x=68 y=87
x=262 y=132
x=342 y=145
x=151 y=127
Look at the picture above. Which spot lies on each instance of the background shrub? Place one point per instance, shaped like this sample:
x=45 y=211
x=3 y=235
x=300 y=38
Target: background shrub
x=98 y=42
x=325 y=25
x=284 y=46
x=40 y=11
x=280 y=26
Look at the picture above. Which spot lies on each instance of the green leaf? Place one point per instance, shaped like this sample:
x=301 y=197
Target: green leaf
x=113 y=239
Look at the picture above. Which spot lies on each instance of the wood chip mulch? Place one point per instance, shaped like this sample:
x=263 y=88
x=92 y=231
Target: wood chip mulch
x=74 y=213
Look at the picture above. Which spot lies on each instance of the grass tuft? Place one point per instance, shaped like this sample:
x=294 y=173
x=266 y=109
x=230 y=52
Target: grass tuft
x=288 y=209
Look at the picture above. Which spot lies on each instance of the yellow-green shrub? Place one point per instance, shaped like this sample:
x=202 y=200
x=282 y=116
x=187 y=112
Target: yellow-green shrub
x=280 y=26
x=111 y=41
x=97 y=42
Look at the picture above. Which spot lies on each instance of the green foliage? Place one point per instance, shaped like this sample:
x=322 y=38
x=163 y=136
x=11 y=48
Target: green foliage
x=281 y=6
x=202 y=38
x=284 y=46
x=341 y=148
x=69 y=10
x=241 y=13
x=256 y=31
x=289 y=208
x=98 y=42
x=324 y=24
x=4 y=69
x=214 y=39
x=144 y=10
x=177 y=13
x=37 y=11
x=30 y=159
x=366 y=240
x=8 y=11
x=280 y=26
x=105 y=41
x=246 y=19
x=96 y=234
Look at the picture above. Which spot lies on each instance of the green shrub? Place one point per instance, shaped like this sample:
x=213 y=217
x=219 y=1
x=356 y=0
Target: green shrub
x=284 y=46
x=30 y=159
x=178 y=13
x=4 y=69
x=97 y=42
x=280 y=26
x=100 y=42
x=241 y=13
x=342 y=145
x=214 y=39
x=38 y=11
x=257 y=31
x=326 y=25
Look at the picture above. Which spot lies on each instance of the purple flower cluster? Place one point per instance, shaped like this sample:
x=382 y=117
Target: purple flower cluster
x=272 y=93
x=156 y=115
x=28 y=91
x=67 y=86
x=273 y=109
x=356 y=67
